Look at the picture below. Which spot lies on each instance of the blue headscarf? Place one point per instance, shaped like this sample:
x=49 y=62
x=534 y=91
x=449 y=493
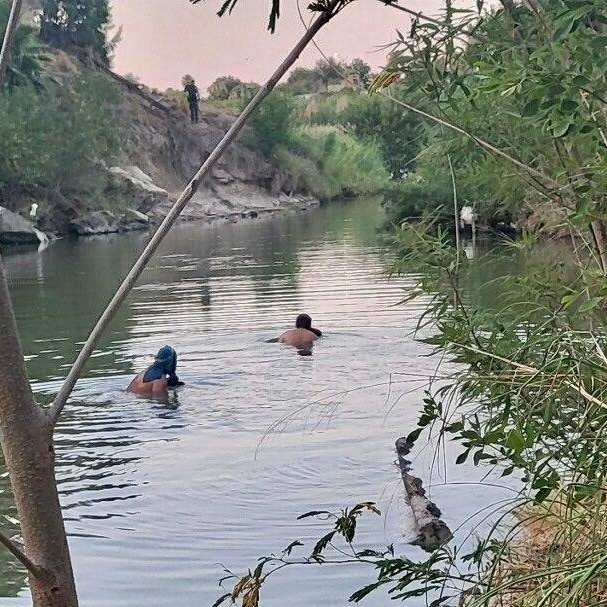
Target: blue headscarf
x=164 y=364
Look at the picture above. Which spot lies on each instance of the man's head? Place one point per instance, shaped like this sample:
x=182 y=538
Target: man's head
x=167 y=358
x=303 y=321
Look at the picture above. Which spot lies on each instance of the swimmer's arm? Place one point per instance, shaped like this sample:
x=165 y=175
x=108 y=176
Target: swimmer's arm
x=136 y=380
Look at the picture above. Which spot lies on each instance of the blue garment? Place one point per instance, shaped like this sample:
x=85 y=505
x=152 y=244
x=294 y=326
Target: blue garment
x=164 y=364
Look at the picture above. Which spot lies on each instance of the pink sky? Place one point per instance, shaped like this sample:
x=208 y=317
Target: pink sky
x=164 y=39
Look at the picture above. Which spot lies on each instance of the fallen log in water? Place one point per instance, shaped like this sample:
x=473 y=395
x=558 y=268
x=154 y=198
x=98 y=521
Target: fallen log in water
x=432 y=531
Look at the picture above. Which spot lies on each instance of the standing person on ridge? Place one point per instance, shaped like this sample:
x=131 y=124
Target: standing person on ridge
x=193 y=95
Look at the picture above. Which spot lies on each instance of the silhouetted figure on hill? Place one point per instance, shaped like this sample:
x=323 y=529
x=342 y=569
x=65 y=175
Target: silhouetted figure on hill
x=191 y=90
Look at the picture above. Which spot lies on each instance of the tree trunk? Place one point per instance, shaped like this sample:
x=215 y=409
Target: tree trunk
x=11 y=27
x=432 y=531
x=598 y=236
x=27 y=444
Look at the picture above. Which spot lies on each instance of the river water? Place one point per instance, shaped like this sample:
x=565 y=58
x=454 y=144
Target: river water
x=158 y=498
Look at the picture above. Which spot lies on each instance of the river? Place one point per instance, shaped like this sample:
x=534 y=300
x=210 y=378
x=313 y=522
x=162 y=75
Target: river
x=158 y=498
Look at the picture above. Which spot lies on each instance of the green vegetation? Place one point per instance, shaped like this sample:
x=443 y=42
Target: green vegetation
x=372 y=118
x=535 y=92
x=342 y=142
x=526 y=94
x=328 y=162
x=323 y=160
x=272 y=123
x=56 y=138
x=73 y=23
x=58 y=141
x=26 y=58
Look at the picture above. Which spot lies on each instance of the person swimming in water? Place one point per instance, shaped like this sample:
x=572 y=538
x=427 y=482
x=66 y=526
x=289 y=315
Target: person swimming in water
x=159 y=376
x=302 y=336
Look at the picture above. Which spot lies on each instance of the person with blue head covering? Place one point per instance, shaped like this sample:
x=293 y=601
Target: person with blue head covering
x=159 y=376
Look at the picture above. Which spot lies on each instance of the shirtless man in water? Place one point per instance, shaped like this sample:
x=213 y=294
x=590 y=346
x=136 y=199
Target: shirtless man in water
x=158 y=376
x=302 y=336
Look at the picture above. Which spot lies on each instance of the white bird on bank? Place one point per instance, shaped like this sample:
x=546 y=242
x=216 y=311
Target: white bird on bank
x=34 y=210
x=467 y=216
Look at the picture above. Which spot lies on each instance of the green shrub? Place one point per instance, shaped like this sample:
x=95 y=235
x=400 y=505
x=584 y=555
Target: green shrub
x=26 y=58
x=271 y=122
x=374 y=119
x=323 y=160
x=395 y=130
x=57 y=141
x=304 y=175
x=328 y=162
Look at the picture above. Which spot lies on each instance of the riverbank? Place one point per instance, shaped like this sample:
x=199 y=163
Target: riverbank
x=159 y=152
x=19 y=234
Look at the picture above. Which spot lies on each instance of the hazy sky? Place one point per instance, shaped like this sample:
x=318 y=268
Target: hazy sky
x=165 y=39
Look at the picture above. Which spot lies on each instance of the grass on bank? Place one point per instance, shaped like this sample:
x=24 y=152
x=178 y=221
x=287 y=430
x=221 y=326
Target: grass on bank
x=327 y=162
x=556 y=557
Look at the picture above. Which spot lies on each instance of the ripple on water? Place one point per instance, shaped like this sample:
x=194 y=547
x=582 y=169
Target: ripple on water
x=156 y=496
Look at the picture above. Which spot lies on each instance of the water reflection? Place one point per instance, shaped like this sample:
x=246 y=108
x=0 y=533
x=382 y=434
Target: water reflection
x=258 y=435
x=12 y=577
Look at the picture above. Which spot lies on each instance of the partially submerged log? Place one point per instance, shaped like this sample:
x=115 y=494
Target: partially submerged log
x=432 y=531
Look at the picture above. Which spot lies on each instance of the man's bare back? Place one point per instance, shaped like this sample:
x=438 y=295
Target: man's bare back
x=302 y=336
x=158 y=387
x=302 y=339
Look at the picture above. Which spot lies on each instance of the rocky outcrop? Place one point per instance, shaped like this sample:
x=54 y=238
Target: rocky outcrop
x=235 y=200
x=14 y=229
x=137 y=188
x=166 y=150
x=107 y=222
x=170 y=150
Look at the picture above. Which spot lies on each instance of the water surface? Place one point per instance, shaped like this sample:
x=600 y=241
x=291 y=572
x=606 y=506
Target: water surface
x=157 y=497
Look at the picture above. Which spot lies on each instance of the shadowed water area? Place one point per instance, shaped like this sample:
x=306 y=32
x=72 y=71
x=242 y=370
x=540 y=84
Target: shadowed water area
x=157 y=496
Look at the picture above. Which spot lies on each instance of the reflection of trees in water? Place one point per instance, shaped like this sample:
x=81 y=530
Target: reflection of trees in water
x=12 y=575
x=354 y=220
x=97 y=457
x=59 y=293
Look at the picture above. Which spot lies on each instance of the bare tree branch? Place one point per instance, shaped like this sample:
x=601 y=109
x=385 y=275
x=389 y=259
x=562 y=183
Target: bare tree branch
x=422 y=17
x=138 y=267
x=20 y=556
x=11 y=27
x=416 y=14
